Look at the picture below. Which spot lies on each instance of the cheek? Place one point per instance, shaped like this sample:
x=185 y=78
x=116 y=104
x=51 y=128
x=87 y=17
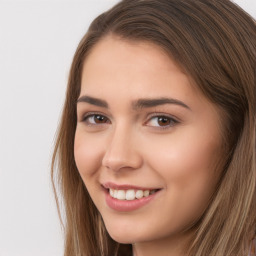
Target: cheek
x=187 y=165
x=88 y=153
x=183 y=154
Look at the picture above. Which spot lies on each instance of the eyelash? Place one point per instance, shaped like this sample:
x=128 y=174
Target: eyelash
x=92 y=114
x=173 y=121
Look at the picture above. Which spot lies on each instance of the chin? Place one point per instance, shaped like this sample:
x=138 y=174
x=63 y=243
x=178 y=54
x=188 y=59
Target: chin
x=121 y=239
x=125 y=235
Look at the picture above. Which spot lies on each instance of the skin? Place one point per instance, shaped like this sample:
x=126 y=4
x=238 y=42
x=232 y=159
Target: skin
x=132 y=145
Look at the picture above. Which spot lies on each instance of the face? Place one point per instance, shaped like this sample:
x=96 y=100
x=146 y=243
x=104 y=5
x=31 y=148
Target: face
x=147 y=141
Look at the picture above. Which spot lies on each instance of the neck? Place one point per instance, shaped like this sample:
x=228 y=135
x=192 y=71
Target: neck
x=171 y=246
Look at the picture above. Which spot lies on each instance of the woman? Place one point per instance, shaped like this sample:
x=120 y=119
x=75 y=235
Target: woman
x=156 y=146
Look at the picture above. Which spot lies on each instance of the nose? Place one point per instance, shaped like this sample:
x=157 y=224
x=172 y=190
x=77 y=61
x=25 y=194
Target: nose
x=122 y=151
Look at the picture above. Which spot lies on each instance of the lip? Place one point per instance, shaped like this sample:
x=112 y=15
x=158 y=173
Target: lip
x=127 y=205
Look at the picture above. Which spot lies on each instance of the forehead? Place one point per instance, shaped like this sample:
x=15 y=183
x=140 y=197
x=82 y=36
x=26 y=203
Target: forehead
x=131 y=65
x=129 y=48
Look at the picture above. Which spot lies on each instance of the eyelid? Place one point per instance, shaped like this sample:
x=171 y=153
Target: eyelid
x=174 y=120
x=92 y=113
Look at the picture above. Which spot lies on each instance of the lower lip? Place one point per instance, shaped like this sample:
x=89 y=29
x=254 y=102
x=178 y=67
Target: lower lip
x=127 y=205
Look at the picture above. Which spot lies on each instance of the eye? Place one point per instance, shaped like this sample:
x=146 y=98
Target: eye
x=161 y=121
x=95 y=119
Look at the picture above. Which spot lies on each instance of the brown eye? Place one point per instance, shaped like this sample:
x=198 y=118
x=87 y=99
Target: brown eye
x=96 y=119
x=161 y=121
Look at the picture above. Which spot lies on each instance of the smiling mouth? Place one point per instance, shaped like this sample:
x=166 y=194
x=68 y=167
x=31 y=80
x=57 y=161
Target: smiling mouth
x=126 y=197
x=130 y=194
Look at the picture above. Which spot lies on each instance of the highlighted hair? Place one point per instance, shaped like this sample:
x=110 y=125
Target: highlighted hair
x=214 y=42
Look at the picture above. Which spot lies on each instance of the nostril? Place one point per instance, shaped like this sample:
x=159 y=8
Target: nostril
x=125 y=160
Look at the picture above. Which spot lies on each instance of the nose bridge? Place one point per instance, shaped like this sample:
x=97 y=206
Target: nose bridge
x=121 y=151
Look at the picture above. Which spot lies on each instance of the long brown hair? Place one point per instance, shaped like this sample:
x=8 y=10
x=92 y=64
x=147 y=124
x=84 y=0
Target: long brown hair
x=214 y=42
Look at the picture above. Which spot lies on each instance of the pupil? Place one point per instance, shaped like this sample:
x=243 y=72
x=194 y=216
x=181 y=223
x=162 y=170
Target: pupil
x=163 y=121
x=99 y=119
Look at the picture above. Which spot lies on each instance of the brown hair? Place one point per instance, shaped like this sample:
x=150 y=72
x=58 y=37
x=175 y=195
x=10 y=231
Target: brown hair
x=214 y=41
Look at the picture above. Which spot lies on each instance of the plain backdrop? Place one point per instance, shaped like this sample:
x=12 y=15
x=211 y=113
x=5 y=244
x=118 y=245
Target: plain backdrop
x=37 y=43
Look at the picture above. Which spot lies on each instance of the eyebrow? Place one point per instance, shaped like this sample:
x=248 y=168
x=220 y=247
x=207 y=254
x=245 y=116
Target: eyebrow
x=138 y=104
x=148 y=103
x=93 y=101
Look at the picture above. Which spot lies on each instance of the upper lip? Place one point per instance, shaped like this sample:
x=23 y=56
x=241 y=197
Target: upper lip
x=112 y=185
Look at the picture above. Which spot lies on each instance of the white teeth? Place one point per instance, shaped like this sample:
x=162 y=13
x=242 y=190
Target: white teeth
x=139 y=194
x=111 y=191
x=146 y=193
x=120 y=194
x=130 y=194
